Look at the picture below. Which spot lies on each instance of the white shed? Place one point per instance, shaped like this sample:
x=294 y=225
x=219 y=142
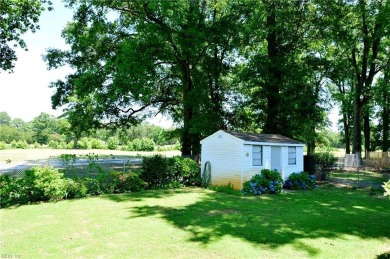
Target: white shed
x=235 y=156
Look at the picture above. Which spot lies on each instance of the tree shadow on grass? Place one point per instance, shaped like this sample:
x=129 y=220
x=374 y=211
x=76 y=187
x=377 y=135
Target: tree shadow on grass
x=278 y=220
x=144 y=195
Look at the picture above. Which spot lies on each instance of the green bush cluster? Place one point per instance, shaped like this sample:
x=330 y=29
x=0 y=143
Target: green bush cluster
x=2 y=145
x=22 y=144
x=269 y=181
x=36 y=184
x=48 y=184
x=84 y=143
x=324 y=158
x=112 y=143
x=58 y=144
x=143 y=144
x=97 y=144
x=163 y=172
x=300 y=181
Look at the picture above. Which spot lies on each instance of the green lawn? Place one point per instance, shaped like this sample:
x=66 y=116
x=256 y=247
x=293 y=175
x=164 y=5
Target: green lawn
x=197 y=223
x=367 y=176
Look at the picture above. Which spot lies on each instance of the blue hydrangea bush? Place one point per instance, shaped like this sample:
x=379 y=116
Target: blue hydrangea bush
x=269 y=181
x=300 y=181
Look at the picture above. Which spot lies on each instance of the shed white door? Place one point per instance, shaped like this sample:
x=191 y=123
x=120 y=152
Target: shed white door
x=276 y=158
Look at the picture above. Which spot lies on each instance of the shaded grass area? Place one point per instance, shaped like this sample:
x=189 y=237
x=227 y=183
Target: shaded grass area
x=375 y=178
x=191 y=223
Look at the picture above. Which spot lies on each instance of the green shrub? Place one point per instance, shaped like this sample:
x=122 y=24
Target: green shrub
x=75 y=188
x=300 y=181
x=2 y=145
x=36 y=145
x=112 y=143
x=119 y=182
x=184 y=170
x=154 y=171
x=36 y=184
x=97 y=144
x=44 y=184
x=54 y=144
x=93 y=186
x=162 y=172
x=11 y=192
x=144 y=144
x=84 y=143
x=386 y=186
x=270 y=181
x=19 y=144
x=324 y=158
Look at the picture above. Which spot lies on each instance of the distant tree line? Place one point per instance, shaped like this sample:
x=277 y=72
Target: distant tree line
x=55 y=132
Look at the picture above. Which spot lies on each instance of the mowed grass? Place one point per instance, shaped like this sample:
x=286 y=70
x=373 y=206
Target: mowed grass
x=198 y=223
x=373 y=177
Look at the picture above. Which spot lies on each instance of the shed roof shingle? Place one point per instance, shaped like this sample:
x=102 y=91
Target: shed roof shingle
x=268 y=138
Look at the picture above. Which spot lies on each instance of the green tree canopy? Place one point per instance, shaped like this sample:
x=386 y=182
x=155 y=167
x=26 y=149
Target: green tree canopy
x=16 y=18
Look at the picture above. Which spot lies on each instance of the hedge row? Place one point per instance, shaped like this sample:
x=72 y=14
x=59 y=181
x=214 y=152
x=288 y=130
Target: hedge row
x=47 y=184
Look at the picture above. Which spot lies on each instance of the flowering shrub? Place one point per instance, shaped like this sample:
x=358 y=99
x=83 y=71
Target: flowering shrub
x=300 y=181
x=269 y=181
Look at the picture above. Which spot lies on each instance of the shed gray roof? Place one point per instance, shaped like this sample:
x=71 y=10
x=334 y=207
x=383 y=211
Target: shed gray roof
x=269 y=138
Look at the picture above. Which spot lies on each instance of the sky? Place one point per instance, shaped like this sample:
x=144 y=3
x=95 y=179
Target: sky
x=25 y=93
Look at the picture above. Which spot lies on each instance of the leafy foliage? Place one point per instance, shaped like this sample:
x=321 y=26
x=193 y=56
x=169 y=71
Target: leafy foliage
x=144 y=144
x=19 y=144
x=300 y=181
x=36 y=184
x=113 y=143
x=47 y=184
x=119 y=182
x=162 y=172
x=269 y=181
x=17 y=17
x=324 y=158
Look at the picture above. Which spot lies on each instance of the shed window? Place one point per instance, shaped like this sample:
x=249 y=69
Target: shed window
x=292 y=155
x=257 y=155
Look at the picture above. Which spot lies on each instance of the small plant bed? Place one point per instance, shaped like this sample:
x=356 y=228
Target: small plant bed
x=198 y=223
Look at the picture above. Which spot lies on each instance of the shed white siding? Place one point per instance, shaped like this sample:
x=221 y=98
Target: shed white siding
x=224 y=152
x=289 y=169
x=248 y=169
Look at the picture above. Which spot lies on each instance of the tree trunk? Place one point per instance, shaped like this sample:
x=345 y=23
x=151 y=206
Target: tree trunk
x=357 y=126
x=272 y=85
x=347 y=134
x=367 y=134
x=187 y=111
x=75 y=142
x=311 y=147
x=385 y=120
